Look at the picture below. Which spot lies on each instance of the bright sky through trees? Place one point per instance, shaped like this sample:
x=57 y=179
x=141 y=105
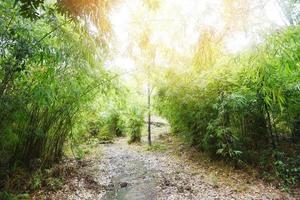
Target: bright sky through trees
x=178 y=24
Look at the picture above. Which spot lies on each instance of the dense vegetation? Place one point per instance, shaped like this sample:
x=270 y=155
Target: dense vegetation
x=55 y=92
x=42 y=84
x=52 y=86
x=242 y=108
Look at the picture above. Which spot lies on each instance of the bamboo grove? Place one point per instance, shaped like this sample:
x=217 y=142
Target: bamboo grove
x=50 y=70
x=242 y=108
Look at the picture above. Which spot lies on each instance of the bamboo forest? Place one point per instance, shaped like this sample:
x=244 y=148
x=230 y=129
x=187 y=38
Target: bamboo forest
x=149 y=99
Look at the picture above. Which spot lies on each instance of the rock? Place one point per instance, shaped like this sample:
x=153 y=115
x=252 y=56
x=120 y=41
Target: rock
x=110 y=187
x=188 y=188
x=167 y=183
x=123 y=184
x=215 y=186
x=180 y=189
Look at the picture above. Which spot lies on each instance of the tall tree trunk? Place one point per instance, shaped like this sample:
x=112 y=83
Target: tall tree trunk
x=149 y=113
x=270 y=127
x=296 y=129
x=275 y=131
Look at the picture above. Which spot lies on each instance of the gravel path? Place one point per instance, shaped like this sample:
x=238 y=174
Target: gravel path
x=129 y=172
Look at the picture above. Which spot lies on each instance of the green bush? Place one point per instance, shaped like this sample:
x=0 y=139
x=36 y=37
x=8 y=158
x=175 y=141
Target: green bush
x=9 y=196
x=241 y=105
x=111 y=125
x=135 y=123
x=50 y=71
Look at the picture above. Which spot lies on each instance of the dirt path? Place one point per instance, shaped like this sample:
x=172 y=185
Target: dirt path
x=131 y=172
x=136 y=174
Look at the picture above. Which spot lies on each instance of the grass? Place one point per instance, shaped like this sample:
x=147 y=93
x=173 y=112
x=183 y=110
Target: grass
x=156 y=147
x=9 y=196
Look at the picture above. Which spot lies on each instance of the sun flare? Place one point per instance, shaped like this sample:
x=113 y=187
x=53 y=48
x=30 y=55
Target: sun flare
x=178 y=26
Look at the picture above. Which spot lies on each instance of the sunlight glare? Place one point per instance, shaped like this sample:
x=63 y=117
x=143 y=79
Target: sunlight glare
x=176 y=25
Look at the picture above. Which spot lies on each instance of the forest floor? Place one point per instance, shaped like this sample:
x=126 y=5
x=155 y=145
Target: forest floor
x=167 y=170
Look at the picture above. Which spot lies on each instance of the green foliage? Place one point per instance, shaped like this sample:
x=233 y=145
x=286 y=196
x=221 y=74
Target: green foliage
x=9 y=196
x=36 y=182
x=135 y=123
x=54 y=184
x=50 y=71
x=111 y=122
x=287 y=168
x=79 y=153
x=236 y=107
x=156 y=147
x=114 y=123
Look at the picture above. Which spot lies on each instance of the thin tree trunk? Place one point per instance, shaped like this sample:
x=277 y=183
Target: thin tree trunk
x=149 y=113
x=276 y=132
x=270 y=127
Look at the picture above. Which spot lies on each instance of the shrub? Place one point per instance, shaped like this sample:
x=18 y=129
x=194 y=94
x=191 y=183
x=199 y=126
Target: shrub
x=241 y=106
x=135 y=123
